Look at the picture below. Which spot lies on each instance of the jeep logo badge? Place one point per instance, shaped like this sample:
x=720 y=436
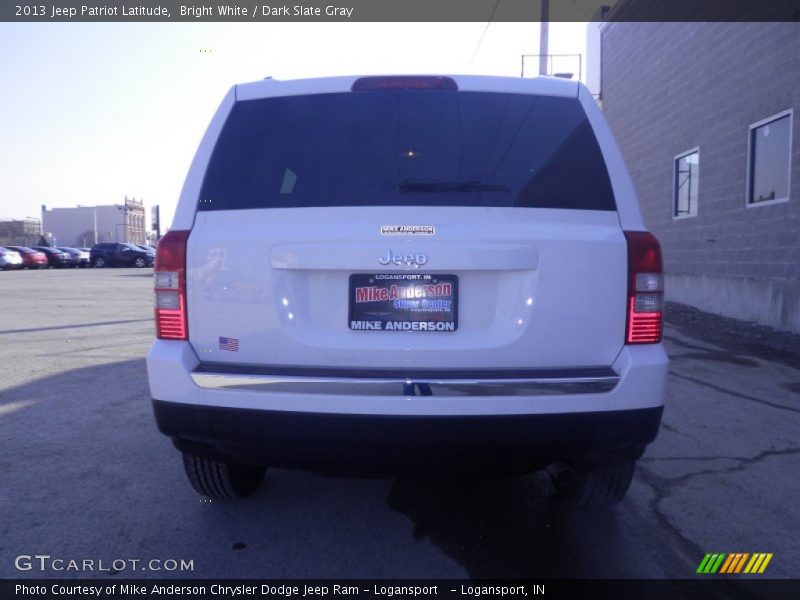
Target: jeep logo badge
x=409 y=259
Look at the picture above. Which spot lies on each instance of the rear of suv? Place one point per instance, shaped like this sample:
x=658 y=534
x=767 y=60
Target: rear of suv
x=403 y=275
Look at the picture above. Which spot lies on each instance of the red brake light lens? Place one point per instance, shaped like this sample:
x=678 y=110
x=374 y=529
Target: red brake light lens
x=645 y=289
x=170 y=287
x=404 y=82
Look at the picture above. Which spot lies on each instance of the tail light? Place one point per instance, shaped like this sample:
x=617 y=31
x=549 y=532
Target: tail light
x=170 y=287
x=645 y=288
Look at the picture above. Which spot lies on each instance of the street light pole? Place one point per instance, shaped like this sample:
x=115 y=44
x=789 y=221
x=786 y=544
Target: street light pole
x=543 y=36
x=124 y=209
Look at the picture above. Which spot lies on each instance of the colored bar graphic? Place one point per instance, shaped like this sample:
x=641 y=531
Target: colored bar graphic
x=765 y=563
x=711 y=563
x=756 y=558
x=734 y=563
x=717 y=564
x=703 y=563
x=728 y=563
x=741 y=562
x=736 y=558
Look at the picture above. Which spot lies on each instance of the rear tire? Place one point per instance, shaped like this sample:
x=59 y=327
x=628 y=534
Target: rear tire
x=99 y=263
x=139 y=263
x=599 y=485
x=221 y=480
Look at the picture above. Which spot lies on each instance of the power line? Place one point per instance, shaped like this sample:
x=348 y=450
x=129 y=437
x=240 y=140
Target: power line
x=483 y=34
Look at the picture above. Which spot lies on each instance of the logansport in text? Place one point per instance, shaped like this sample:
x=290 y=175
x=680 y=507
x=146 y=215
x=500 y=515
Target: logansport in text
x=199 y=11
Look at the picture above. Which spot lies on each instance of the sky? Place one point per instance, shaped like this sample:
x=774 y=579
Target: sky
x=93 y=112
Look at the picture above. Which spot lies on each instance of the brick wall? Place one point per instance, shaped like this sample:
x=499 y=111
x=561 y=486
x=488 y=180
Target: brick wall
x=669 y=87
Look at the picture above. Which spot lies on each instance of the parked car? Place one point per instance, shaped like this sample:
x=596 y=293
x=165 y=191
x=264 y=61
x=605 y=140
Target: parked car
x=436 y=274
x=10 y=259
x=56 y=258
x=80 y=257
x=113 y=254
x=148 y=249
x=31 y=259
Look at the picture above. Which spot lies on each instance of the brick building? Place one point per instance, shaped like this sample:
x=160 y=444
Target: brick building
x=707 y=117
x=20 y=232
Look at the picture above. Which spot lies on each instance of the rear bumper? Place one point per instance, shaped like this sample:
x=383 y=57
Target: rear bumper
x=372 y=383
x=392 y=444
x=503 y=421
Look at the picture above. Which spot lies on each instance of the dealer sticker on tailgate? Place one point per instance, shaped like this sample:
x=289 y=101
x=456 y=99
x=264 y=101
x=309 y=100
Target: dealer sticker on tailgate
x=403 y=302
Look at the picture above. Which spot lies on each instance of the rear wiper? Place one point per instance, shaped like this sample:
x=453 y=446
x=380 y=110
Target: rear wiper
x=432 y=187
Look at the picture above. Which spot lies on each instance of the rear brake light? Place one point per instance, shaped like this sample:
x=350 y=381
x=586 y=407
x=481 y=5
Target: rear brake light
x=404 y=82
x=645 y=289
x=170 y=287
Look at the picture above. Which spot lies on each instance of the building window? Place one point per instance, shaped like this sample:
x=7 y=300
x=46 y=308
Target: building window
x=686 y=183
x=769 y=155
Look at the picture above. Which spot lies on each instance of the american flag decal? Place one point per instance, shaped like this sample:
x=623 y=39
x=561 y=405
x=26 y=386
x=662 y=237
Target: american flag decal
x=226 y=343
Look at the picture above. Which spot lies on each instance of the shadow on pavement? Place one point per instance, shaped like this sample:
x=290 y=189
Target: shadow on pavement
x=77 y=326
x=512 y=527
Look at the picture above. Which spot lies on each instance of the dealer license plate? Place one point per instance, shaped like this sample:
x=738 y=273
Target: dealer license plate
x=403 y=302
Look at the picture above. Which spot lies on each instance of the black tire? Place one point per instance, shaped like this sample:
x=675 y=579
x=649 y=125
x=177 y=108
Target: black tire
x=99 y=263
x=221 y=480
x=599 y=485
x=139 y=263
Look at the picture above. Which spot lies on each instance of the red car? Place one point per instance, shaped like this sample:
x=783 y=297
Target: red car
x=31 y=259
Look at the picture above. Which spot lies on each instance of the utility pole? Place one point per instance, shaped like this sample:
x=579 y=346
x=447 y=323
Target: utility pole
x=124 y=210
x=543 y=34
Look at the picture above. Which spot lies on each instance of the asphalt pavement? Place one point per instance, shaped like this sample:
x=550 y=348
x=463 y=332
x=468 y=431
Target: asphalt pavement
x=85 y=475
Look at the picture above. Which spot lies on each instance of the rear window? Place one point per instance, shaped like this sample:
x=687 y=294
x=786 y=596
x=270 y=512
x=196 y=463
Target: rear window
x=418 y=148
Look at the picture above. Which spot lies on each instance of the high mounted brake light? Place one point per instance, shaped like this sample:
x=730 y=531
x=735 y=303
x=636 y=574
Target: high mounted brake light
x=404 y=82
x=170 y=287
x=645 y=289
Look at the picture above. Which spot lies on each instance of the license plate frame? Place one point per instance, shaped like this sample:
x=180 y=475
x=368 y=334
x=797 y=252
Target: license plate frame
x=426 y=303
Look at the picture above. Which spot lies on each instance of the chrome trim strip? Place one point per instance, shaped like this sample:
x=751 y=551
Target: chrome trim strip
x=399 y=387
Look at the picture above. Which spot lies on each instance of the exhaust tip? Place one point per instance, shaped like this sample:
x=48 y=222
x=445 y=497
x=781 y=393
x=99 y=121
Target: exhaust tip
x=561 y=474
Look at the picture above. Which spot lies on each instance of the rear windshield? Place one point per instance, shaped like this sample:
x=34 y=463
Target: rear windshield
x=417 y=148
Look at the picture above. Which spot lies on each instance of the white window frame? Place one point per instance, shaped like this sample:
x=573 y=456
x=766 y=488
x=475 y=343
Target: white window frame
x=753 y=126
x=675 y=183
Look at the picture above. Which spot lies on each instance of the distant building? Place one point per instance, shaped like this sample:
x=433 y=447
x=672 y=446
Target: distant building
x=707 y=116
x=20 y=232
x=87 y=225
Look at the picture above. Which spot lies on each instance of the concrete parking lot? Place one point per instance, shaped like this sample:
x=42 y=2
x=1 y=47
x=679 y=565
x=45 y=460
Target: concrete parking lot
x=84 y=474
